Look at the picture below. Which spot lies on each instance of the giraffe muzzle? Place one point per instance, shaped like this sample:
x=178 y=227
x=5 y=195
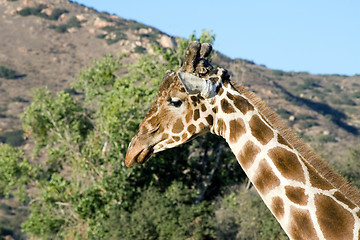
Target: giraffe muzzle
x=137 y=153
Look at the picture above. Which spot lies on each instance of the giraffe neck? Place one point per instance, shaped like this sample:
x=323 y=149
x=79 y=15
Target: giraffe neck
x=307 y=205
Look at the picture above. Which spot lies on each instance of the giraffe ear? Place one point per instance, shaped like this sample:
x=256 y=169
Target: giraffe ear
x=195 y=85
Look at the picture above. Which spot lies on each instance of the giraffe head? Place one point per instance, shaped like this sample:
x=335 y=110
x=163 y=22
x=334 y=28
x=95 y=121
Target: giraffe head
x=184 y=96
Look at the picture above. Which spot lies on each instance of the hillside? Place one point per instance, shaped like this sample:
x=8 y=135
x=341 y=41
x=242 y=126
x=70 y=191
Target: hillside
x=46 y=43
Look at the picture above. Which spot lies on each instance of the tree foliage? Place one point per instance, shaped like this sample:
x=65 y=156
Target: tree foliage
x=241 y=214
x=15 y=172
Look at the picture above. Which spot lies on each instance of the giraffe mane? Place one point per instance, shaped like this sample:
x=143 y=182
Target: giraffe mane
x=309 y=155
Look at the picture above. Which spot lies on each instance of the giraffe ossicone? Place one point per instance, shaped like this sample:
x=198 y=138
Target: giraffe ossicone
x=309 y=200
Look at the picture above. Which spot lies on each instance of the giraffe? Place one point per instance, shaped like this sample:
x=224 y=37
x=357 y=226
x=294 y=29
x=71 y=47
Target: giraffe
x=305 y=195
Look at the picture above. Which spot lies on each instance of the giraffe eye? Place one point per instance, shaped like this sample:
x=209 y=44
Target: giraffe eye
x=176 y=102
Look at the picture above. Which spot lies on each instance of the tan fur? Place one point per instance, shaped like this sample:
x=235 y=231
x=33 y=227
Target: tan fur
x=312 y=158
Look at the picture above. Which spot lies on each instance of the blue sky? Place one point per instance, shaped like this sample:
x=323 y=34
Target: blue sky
x=316 y=36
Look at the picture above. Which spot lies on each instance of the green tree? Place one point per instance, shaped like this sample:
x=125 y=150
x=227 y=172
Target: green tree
x=242 y=214
x=350 y=166
x=15 y=172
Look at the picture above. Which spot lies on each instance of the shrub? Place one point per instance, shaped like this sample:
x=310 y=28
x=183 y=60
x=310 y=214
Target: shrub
x=307 y=83
x=336 y=88
x=284 y=113
x=5 y=231
x=56 y=13
x=303 y=116
x=350 y=166
x=356 y=94
x=308 y=124
x=326 y=138
x=118 y=36
x=101 y=36
x=14 y=138
x=277 y=73
x=71 y=91
x=174 y=207
x=105 y=17
x=19 y=99
x=62 y=28
x=140 y=49
x=110 y=28
x=343 y=99
x=71 y=23
x=351 y=110
x=152 y=36
x=15 y=172
x=243 y=215
x=37 y=11
x=7 y=73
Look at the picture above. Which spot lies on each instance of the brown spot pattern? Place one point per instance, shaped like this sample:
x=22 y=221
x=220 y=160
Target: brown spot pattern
x=260 y=130
x=287 y=163
x=335 y=221
x=189 y=116
x=184 y=136
x=201 y=126
x=237 y=129
x=191 y=129
x=220 y=91
x=178 y=126
x=176 y=138
x=301 y=226
x=226 y=106
x=203 y=108
x=277 y=207
x=282 y=141
x=248 y=154
x=210 y=119
x=265 y=180
x=215 y=109
x=296 y=195
x=165 y=136
x=196 y=114
x=230 y=96
x=221 y=127
x=242 y=104
x=194 y=99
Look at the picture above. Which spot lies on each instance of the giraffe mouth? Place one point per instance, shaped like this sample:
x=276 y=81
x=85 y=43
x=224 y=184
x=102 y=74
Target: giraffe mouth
x=138 y=155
